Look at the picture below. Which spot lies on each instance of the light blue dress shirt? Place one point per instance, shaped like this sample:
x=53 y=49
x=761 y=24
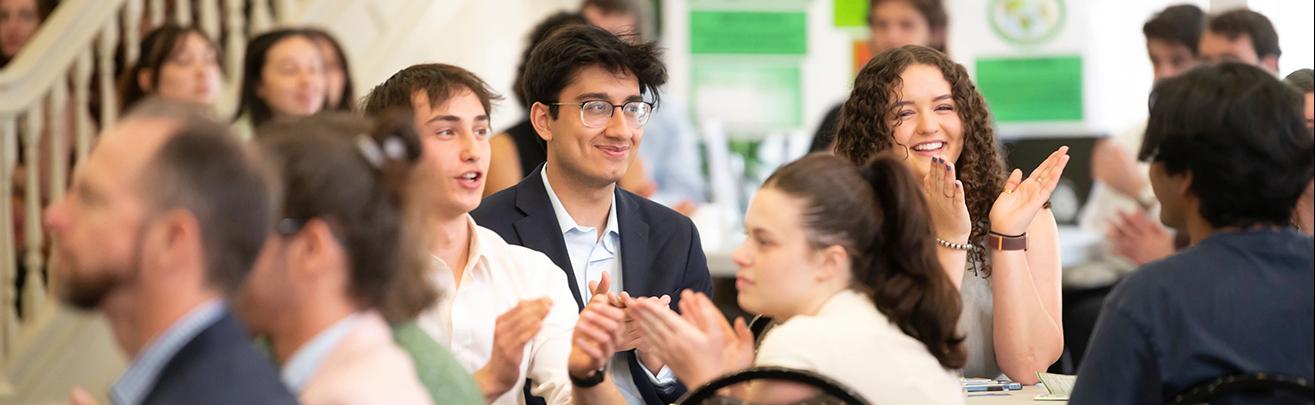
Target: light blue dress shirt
x=591 y=256
x=303 y=363
x=135 y=383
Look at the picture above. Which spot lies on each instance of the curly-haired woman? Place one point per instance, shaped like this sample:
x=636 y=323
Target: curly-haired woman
x=996 y=238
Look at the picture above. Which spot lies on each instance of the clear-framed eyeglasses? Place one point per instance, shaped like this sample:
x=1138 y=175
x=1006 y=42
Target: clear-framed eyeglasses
x=596 y=113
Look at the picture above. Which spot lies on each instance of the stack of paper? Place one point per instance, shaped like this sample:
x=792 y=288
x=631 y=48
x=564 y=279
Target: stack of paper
x=1058 y=386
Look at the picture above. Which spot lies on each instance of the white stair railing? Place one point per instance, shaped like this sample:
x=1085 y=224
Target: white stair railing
x=59 y=91
x=46 y=97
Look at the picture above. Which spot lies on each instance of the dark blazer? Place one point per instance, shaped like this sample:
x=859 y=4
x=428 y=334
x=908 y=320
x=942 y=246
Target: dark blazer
x=660 y=249
x=219 y=366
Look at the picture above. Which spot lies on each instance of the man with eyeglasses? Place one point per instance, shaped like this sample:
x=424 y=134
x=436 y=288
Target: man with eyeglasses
x=588 y=90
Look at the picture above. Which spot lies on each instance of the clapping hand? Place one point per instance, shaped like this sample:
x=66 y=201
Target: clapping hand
x=1021 y=199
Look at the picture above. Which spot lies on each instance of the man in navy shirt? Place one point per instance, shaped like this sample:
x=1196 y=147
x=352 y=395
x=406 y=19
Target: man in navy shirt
x=1229 y=156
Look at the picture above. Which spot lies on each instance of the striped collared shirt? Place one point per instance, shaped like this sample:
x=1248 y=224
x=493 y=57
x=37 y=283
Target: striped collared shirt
x=133 y=386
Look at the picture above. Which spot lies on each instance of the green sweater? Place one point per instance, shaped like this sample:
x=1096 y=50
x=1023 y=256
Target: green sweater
x=446 y=381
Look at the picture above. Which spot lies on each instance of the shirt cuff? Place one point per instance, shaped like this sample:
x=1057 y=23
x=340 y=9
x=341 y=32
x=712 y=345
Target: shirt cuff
x=665 y=378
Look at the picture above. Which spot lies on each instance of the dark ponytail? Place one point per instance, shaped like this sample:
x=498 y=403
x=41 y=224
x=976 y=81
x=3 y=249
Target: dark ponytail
x=878 y=215
x=903 y=274
x=355 y=174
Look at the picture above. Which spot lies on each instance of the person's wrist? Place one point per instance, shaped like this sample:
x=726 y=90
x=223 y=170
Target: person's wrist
x=652 y=362
x=587 y=378
x=491 y=386
x=1004 y=227
x=1000 y=241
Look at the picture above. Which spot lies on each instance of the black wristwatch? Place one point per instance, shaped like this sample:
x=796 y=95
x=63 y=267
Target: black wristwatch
x=598 y=377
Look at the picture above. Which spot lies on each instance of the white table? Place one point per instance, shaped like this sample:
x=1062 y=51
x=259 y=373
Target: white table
x=1010 y=397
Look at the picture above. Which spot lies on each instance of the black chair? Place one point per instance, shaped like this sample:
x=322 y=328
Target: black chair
x=1266 y=387
x=830 y=391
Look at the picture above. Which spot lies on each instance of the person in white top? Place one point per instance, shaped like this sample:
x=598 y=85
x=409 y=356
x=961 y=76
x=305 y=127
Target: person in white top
x=1122 y=205
x=335 y=264
x=505 y=311
x=844 y=257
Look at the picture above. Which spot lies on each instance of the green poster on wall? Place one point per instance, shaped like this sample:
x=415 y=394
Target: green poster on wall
x=759 y=95
x=1032 y=89
x=850 y=13
x=748 y=32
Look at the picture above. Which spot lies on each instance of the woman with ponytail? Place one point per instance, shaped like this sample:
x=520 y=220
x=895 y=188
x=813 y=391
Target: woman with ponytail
x=338 y=268
x=843 y=257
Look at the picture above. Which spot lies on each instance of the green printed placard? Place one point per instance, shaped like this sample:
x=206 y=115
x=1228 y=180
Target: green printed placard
x=748 y=32
x=1032 y=89
x=850 y=13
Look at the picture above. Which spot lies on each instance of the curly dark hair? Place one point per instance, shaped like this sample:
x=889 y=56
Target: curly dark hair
x=867 y=123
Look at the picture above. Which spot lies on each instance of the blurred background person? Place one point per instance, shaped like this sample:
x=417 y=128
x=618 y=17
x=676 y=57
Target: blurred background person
x=282 y=79
x=891 y=24
x=19 y=20
x=176 y=63
x=340 y=94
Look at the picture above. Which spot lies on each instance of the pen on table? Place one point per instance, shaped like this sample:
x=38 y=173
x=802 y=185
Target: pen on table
x=1013 y=386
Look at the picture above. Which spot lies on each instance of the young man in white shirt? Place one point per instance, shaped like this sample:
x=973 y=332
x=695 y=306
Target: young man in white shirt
x=589 y=88
x=504 y=310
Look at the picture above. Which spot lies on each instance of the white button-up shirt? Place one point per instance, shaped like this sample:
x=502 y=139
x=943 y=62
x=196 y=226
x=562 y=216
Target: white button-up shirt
x=591 y=256
x=497 y=276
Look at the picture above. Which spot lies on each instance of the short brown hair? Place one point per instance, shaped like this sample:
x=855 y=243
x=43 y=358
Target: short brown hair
x=555 y=63
x=1180 y=24
x=1302 y=79
x=439 y=81
x=206 y=170
x=362 y=195
x=1234 y=23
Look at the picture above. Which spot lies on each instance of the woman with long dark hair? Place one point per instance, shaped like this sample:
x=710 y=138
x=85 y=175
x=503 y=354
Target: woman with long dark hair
x=339 y=93
x=176 y=63
x=844 y=256
x=282 y=78
x=995 y=235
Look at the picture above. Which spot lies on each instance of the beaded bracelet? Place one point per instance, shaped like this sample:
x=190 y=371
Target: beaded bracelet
x=956 y=246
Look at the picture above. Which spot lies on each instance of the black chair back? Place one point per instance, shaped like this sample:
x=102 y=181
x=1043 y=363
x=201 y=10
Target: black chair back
x=1249 y=388
x=828 y=391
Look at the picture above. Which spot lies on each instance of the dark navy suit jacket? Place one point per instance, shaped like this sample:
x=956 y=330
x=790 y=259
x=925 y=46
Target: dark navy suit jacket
x=219 y=366
x=660 y=249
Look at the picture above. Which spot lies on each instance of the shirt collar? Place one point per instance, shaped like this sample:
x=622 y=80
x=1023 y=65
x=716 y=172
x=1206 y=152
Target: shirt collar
x=475 y=252
x=135 y=383
x=564 y=219
x=303 y=363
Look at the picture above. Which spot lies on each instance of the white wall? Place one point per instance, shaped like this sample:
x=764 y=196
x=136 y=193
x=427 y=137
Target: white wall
x=487 y=36
x=1295 y=22
x=483 y=36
